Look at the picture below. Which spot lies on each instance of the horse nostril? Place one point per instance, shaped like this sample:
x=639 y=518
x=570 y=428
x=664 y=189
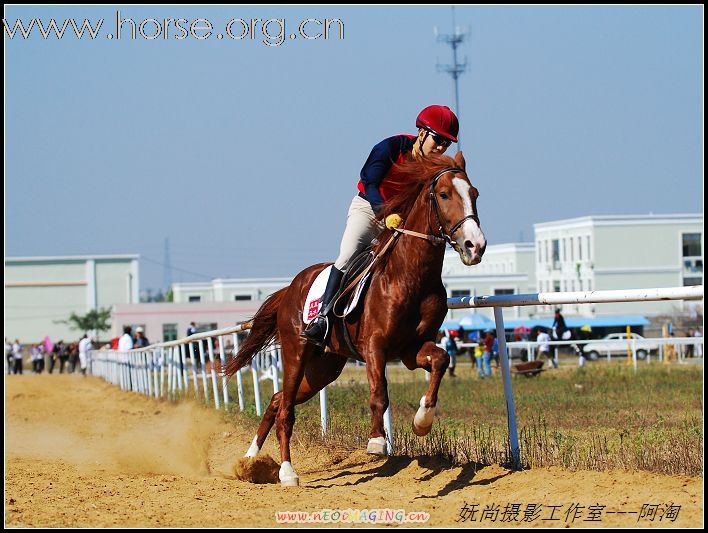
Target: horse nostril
x=468 y=244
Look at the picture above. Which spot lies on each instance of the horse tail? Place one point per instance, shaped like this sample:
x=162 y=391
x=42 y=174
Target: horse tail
x=263 y=331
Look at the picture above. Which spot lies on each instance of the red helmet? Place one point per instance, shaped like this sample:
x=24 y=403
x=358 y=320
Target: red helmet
x=439 y=119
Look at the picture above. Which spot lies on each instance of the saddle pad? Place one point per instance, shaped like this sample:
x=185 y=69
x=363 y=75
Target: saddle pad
x=313 y=301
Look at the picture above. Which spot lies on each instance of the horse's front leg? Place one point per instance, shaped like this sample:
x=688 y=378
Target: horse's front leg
x=435 y=360
x=378 y=402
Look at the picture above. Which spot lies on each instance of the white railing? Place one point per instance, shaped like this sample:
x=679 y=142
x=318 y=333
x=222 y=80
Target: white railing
x=162 y=370
x=556 y=298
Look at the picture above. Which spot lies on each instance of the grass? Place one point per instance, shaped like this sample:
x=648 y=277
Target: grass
x=603 y=416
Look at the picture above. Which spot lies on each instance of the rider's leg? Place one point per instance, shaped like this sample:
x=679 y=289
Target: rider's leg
x=362 y=227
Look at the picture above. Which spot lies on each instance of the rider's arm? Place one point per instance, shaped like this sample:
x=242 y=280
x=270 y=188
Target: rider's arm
x=377 y=165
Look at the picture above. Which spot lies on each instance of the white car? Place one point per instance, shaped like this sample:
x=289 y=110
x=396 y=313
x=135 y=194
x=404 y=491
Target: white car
x=617 y=343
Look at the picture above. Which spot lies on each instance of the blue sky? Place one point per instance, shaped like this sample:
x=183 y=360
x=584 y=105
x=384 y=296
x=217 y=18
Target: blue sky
x=246 y=156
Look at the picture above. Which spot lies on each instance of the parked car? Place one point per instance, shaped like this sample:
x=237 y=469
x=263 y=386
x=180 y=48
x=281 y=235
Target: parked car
x=616 y=344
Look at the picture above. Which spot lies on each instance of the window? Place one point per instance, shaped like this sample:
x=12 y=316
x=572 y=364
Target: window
x=169 y=332
x=691 y=244
x=498 y=292
x=556 y=252
x=242 y=297
x=460 y=293
x=572 y=249
x=580 y=249
x=539 y=251
x=688 y=282
x=589 y=251
x=195 y=298
x=556 y=286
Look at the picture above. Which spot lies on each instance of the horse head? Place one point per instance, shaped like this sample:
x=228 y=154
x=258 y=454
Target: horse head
x=454 y=203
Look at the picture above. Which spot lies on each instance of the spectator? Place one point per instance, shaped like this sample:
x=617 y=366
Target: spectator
x=63 y=356
x=73 y=351
x=53 y=357
x=84 y=353
x=125 y=343
x=450 y=346
x=544 y=348
x=699 y=344
x=488 y=351
x=36 y=358
x=192 y=330
x=495 y=352
x=479 y=359
x=17 y=357
x=690 y=347
x=140 y=338
x=558 y=326
x=8 y=356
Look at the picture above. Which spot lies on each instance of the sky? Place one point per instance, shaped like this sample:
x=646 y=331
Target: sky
x=245 y=156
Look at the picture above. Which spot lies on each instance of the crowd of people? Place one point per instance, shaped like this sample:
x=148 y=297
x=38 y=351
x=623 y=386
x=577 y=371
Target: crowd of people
x=486 y=349
x=65 y=357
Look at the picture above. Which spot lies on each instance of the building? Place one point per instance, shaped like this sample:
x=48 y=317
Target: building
x=619 y=252
x=505 y=269
x=579 y=254
x=42 y=291
x=228 y=290
x=164 y=322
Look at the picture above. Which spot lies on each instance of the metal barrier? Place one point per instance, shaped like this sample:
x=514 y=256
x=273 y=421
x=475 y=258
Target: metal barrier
x=143 y=370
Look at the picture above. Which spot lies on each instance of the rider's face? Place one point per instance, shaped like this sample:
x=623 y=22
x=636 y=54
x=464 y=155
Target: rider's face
x=430 y=146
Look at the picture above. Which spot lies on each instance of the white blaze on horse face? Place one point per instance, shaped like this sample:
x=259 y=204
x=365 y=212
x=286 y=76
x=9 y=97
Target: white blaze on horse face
x=469 y=232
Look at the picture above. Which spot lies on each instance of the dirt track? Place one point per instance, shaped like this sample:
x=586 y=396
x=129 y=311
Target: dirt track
x=81 y=453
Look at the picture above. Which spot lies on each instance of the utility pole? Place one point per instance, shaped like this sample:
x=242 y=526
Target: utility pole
x=455 y=69
x=167 y=281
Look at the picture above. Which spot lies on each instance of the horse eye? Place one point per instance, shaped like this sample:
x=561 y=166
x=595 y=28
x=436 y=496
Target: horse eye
x=443 y=196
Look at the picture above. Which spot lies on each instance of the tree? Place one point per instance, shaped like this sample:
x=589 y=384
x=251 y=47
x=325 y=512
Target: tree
x=94 y=320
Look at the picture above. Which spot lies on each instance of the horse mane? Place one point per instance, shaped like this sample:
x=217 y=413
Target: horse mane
x=417 y=175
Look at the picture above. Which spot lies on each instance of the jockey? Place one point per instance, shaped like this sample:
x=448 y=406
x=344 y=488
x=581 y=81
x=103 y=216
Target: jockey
x=379 y=182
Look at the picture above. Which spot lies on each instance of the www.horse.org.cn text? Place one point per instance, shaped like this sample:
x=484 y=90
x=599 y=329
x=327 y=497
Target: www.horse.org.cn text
x=270 y=32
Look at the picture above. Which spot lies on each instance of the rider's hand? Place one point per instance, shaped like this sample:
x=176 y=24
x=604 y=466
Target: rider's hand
x=393 y=221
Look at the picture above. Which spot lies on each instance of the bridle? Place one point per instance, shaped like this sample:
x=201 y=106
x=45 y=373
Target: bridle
x=444 y=234
x=447 y=233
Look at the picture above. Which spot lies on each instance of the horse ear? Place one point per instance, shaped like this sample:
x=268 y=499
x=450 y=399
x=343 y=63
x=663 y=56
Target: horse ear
x=460 y=160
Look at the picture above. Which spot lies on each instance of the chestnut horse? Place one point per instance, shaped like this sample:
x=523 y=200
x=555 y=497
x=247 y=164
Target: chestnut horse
x=402 y=312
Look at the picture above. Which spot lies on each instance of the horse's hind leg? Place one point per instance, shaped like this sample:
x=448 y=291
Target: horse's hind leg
x=435 y=360
x=318 y=374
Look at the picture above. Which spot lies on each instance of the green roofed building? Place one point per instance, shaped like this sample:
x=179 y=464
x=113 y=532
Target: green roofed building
x=40 y=291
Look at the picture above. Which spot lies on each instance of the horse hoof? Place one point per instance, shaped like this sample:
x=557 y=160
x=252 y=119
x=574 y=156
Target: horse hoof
x=423 y=419
x=287 y=475
x=253 y=449
x=290 y=482
x=377 y=446
x=421 y=431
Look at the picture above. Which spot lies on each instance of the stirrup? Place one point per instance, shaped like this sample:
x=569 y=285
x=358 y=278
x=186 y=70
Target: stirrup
x=317 y=340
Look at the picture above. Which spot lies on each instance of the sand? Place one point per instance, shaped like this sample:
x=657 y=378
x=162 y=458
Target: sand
x=81 y=453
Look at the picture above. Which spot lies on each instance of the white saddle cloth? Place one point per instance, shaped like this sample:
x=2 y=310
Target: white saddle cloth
x=313 y=302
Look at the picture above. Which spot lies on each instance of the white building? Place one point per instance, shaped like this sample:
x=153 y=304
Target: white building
x=42 y=291
x=619 y=252
x=505 y=269
x=228 y=290
x=580 y=254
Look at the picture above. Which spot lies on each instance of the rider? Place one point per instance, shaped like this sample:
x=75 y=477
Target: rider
x=379 y=182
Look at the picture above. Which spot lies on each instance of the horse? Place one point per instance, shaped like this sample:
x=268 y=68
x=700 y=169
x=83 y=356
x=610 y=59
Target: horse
x=403 y=308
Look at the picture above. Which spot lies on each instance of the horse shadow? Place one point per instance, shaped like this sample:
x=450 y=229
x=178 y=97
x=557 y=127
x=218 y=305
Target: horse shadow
x=393 y=465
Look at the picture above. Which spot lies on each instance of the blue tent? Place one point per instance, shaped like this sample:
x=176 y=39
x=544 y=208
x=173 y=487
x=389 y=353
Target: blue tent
x=475 y=322
x=579 y=321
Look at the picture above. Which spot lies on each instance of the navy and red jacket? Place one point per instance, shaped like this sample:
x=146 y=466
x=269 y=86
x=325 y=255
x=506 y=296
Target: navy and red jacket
x=379 y=180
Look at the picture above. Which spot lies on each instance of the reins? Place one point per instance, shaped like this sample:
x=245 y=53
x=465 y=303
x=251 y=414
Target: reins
x=434 y=239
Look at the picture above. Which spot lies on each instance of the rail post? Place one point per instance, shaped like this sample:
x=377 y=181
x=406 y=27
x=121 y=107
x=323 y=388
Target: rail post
x=508 y=393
